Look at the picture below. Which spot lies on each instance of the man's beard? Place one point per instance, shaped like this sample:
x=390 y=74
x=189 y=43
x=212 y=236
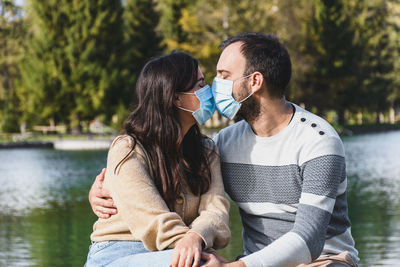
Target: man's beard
x=250 y=109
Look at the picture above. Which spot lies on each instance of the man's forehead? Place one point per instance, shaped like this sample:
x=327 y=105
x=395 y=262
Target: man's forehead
x=231 y=59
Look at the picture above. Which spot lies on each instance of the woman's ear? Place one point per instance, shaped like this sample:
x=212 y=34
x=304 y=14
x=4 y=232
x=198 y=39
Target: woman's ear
x=177 y=100
x=256 y=82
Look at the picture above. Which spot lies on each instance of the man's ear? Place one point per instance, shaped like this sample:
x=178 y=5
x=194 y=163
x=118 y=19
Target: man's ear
x=256 y=82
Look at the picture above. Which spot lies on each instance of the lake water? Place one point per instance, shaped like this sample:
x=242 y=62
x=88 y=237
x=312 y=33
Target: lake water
x=45 y=218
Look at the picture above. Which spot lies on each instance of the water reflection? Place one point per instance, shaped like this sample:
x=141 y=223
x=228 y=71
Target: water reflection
x=375 y=222
x=45 y=219
x=61 y=235
x=35 y=178
x=374 y=203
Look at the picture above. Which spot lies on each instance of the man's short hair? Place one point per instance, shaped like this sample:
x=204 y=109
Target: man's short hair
x=265 y=54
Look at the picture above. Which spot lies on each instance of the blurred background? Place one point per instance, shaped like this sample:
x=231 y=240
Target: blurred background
x=67 y=62
x=68 y=70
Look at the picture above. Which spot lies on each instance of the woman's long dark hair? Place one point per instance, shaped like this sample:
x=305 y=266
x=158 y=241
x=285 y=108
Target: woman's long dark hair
x=174 y=160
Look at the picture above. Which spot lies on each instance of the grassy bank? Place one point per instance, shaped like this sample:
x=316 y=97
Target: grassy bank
x=346 y=130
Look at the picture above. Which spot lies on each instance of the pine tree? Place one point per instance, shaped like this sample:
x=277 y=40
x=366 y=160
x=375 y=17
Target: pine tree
x=43 y=98
x=73 y=59
x=94 y=51
x=378 y=65
x=141 y=40
x=394 y=36
x=331 y=57
x=12 y=34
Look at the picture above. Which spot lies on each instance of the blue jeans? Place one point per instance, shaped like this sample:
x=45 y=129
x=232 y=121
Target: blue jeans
x=126 y=253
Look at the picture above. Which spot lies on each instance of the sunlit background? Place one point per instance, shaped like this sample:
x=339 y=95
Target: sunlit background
x=68 y=69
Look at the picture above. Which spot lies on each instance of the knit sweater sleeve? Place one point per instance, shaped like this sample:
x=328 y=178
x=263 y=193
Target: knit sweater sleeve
x=212 y=224
x=138 y=200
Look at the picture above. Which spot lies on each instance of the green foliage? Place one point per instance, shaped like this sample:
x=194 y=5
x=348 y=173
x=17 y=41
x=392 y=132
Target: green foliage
x=205 y=23
x=346 y=57
x=73 y=61
x=330 y=79
x=141 y=42
x=12 y=32
x=170 y=21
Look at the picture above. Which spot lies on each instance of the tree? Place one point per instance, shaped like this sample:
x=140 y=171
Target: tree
x=394 y=37
x=141 y=40
x=94 y=50
x=12 y=34
x=43 y=97
x=81 y=59
x=170 y=22
x=330 y=80
x=73 y=59
x=378 y=62
x=346 y=58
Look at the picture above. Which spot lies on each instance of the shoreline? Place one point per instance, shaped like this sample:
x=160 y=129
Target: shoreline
x=83 y=144
x=349 y=130
x=26 y=144
x=92 y=142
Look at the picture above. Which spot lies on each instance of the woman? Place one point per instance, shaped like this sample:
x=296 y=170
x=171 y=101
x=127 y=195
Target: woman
x=163 y=174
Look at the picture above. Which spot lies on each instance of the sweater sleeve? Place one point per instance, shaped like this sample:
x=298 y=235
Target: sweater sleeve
x=323 y=175
x=138 y=200
x=212 y=224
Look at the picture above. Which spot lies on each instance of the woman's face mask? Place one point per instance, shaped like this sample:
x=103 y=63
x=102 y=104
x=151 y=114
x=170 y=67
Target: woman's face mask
x=207 y=104
x=222 y=90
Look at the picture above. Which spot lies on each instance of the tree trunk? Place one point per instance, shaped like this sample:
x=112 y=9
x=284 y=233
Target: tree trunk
x=359 y=118
x=76 y=127
x=392 y=116
x=341 y=117
x=380 y=118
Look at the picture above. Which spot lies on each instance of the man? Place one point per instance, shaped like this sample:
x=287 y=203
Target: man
x=283 y=166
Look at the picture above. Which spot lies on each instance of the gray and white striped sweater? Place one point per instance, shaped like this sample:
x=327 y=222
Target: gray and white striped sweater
x=290 y=189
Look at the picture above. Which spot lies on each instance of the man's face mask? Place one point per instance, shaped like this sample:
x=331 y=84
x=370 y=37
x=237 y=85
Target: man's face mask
x=226 y=105
x=207 y=104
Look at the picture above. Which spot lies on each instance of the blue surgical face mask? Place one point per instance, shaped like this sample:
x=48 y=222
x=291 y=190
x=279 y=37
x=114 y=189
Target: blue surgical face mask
x=226 y=105
x=207 y=104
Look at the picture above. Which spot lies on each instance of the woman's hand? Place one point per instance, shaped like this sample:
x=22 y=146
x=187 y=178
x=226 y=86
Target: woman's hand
x=187 y=251
x=100 y=198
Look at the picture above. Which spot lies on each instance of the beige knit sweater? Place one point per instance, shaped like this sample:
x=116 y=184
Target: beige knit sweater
x=144 y=216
